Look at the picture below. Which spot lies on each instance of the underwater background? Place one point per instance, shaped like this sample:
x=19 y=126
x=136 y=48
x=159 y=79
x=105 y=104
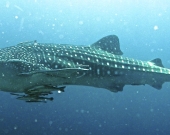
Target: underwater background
x=143 y=28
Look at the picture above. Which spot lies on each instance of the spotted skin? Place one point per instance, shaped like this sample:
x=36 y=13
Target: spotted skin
x=107 y=68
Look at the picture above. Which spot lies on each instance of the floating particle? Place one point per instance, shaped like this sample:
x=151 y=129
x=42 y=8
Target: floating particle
x=61 y=36
x=19 y=8
x=50 y=122
x=16 y=17
x=82 y=111
x=155 y=27
x=81 y=22
x=15 y=127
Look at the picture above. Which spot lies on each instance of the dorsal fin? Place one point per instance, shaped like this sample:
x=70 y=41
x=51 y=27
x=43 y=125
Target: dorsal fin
x=157 y=62
x=109 y=43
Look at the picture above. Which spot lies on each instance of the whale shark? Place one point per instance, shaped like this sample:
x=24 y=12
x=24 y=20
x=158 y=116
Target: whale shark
x=32 y=70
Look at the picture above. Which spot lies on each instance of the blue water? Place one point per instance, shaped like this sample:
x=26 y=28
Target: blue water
x=143 y=27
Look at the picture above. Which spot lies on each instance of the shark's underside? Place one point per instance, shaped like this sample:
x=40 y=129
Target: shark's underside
x=37 y=69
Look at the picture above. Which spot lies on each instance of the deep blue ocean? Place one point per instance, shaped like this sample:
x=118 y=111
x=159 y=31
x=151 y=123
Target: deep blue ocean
x=143 y=28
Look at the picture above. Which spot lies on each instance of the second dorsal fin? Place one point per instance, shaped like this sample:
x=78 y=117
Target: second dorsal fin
x=157 y=62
